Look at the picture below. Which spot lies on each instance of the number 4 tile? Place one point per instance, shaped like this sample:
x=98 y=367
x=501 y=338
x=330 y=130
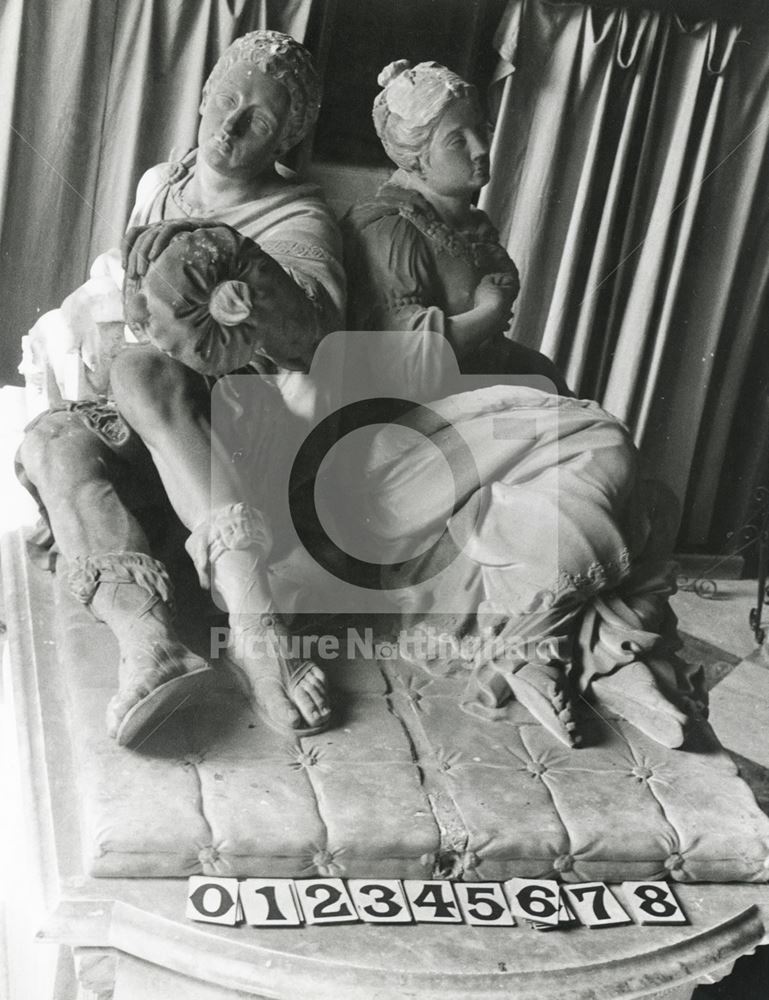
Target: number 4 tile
x=653 y=903
x=595 y=905
x=432 y=902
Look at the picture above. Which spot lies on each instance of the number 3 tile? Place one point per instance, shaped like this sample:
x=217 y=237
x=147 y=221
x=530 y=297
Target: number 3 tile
x=380 y=901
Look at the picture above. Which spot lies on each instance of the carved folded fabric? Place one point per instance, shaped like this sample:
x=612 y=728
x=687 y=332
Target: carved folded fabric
x=214 y=300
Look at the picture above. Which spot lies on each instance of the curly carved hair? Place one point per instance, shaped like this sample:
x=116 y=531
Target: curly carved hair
x=284 y=59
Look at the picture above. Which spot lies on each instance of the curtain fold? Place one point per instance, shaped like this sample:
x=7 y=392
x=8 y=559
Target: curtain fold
x=629 y=180
x=95 y=92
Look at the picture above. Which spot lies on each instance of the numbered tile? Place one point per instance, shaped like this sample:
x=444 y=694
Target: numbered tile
x=325 y=901
x=380 y=901
x=483 y=904
x=213 y=900
x=537 y=900
x=595 y=905
x=270 y=902
x=566 y=917
x=432 y=902
x=653 y=903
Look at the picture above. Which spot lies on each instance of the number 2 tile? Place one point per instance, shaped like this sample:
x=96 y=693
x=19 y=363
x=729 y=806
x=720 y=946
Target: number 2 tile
x=325 y=901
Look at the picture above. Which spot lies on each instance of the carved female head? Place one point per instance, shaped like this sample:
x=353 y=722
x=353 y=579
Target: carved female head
x=413 y=102
x=284 y=61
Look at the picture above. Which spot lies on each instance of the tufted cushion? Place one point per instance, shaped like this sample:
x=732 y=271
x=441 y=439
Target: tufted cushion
x=405 y=785
x=214 y=299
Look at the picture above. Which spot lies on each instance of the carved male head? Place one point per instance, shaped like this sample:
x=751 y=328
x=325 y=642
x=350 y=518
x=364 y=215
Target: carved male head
x=261 y=98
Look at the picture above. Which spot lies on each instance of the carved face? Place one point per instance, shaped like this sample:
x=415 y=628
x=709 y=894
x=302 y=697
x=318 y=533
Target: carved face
x=242 y=122
x=456 y=161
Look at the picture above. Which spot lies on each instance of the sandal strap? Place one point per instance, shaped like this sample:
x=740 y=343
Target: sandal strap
x=86 y=573
x=233 y=526
x=272 y=630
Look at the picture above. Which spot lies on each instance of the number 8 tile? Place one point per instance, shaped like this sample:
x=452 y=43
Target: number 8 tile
x=653 y=903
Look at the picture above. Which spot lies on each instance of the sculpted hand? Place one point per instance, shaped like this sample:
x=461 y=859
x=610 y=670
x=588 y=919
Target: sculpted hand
x=498 y=292
x=143 y=244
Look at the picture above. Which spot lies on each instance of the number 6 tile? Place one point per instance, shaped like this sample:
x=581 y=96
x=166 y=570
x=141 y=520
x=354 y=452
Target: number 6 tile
x=534 y=899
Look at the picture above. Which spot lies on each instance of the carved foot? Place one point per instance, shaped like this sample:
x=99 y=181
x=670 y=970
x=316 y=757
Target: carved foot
x=158 y=676
x=542 y=688
x=290 y=694
x=633 y=693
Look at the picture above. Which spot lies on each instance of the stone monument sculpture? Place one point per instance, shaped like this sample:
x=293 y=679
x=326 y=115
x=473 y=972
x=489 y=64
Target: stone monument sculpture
x=422 y=258
x=259 y=285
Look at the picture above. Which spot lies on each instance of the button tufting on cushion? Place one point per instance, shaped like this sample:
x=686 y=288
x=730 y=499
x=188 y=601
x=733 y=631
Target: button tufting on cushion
x=326 y=863
x=208 y=855
x=365 y=799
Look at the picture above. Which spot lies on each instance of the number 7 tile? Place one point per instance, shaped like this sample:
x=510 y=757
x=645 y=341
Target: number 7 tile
x=595 y=905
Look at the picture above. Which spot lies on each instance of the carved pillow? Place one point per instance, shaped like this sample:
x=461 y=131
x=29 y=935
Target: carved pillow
x=213 y=299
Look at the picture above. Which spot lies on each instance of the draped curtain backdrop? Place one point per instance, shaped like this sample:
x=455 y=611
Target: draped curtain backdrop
x=94 y=93
x=630 y=183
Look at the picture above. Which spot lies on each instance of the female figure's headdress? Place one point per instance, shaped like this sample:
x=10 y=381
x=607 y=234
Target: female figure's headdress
x=412 y=100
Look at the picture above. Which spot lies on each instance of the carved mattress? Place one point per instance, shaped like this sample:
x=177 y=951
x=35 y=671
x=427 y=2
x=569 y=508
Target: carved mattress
x=405 y=785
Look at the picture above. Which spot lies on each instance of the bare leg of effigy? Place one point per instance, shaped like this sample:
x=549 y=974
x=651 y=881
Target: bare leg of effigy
x=229 y=550
x=162 y=401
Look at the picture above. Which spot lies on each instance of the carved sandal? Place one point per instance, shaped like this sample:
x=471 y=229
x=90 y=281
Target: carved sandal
x=140 y=584
x=235 y=527
x=156 y=708
x=290 y=673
